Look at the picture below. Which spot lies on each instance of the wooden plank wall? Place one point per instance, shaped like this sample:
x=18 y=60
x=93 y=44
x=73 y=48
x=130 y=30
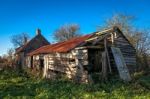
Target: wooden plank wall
x=36 y=62
x=65 y=63
x=127 y=50
x=81 y=61
x=28 y=61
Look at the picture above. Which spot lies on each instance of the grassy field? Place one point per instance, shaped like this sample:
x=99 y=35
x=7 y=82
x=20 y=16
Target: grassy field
x=15 y=85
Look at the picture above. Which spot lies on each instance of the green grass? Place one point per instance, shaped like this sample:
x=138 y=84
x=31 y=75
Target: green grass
x=15 y=85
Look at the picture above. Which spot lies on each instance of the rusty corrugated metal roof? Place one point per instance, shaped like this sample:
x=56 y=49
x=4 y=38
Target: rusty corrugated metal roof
x=61 y=47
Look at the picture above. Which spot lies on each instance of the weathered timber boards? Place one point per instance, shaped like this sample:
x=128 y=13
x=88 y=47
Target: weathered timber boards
x=121 y=65
x=90 y=47
x=64 y=70
x=124 y=50
x=132 y=55
x=107 y=54
x=104 y=66
x=127 y=54
x=124 y=46
x=121 y=40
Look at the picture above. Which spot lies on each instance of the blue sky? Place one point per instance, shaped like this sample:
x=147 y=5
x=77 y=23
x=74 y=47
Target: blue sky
x=17 y=16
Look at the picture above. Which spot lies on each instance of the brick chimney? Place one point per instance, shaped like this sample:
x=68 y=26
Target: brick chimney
x=38 y=31
x=25 y=40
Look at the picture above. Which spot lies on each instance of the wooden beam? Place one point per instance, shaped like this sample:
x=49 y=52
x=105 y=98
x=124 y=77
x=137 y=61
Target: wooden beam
x=90 y=47
x=104 y=31
x=93 y=38
x=96 y=41
x=100 y=38
x=107 y=54
x=82 y=44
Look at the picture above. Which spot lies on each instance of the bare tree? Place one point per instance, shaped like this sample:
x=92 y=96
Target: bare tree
x=124 y=22
x=10 y=56
x=66 y=32
x=19 y=39
x=7 y=59
x=142 y=41
x=10 y=53
x=138 y=38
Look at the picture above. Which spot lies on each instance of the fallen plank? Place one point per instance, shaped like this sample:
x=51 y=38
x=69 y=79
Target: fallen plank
x=121 y=65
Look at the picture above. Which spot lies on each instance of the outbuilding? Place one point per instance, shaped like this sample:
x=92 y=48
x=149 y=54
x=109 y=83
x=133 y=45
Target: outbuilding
x=103 y=52
x=29 y=46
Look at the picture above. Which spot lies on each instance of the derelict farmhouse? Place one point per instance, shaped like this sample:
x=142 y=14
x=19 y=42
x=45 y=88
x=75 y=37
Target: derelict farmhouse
x=103 y=52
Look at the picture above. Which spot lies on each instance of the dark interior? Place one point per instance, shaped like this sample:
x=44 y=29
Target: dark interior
x=41 y=64
x=94 y=57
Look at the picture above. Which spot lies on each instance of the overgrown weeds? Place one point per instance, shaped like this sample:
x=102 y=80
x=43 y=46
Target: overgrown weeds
x=14 y=84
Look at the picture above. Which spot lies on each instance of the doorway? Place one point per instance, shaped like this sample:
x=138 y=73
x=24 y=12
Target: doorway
x=95 y=64
x=31 y=62
x=41 y=64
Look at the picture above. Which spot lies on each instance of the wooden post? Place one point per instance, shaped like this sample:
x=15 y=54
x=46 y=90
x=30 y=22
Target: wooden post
x=115 y=34
x=79 y=68
x=45 y=67
x=112 y=38
x=104 y=66
x=107 y=54
x=90 y=80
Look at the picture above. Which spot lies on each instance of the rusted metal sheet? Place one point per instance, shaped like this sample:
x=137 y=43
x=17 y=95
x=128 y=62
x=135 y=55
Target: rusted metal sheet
x=64 y=46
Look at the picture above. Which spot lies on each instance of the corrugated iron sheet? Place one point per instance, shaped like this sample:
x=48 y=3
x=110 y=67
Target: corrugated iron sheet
x=61 y=47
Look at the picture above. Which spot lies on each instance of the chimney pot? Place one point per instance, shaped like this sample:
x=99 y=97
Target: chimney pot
x=38 y=31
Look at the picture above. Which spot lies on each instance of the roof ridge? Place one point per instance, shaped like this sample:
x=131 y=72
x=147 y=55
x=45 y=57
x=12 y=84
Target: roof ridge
x=27 y=43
